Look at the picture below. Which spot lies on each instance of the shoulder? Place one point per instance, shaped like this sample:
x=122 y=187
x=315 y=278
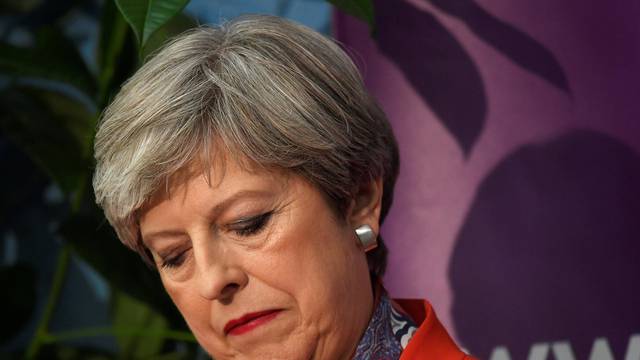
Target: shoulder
x=431 y=340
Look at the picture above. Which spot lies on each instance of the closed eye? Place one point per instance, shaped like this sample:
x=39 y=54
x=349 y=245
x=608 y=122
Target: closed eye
x=251 y=226
x=173 y=260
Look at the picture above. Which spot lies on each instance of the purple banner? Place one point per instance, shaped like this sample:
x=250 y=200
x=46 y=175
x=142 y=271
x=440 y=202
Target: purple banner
x=517 y=209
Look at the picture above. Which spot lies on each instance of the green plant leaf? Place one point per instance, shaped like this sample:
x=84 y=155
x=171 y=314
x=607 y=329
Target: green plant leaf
x=94 y=240
x=54 y=130
x=19 y=298
x=20 y=183
x=71 y=115
x=176 y=356
x=116 y=53
x=128 y=312
x=53 y=57
x=361 y=9
x=147 y=16
x=173 y=27
x=19 y=6
x=60 y=351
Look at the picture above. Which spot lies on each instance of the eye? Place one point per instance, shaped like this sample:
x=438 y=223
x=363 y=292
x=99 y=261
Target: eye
x=251 y=226
x=173 y=260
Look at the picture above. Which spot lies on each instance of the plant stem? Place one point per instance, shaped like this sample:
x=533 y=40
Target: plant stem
x=56 y=287
x=115 y=331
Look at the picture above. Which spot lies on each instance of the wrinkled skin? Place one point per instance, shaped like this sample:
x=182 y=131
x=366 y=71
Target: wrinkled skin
x=249 y=241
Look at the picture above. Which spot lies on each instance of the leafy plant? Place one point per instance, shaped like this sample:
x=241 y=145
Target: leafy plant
x=361 y=9
x=49 y=105
x=146 y=17
x=49 y=110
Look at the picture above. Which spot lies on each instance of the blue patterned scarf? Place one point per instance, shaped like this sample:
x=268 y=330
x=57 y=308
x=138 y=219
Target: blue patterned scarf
x=387 y=335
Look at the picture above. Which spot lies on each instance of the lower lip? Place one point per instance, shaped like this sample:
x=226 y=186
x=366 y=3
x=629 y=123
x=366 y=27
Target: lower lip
x=254 y=323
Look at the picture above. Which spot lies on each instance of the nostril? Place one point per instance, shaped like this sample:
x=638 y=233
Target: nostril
x=229 y=290
x=226 y=294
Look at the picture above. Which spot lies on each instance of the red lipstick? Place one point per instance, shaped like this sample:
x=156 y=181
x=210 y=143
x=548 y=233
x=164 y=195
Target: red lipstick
x=249 y=322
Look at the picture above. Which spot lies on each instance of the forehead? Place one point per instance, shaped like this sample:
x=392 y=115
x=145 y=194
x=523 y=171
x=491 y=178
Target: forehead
x=221 y=177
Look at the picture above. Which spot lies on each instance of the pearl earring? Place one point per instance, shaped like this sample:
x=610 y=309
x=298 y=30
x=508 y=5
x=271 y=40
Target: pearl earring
x=367 y=237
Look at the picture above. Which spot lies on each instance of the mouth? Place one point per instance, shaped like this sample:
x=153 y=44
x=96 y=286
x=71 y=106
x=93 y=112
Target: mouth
x=249 y=322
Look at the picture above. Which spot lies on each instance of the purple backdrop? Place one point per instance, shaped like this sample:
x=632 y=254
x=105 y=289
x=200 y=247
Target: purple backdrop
x=517 y=209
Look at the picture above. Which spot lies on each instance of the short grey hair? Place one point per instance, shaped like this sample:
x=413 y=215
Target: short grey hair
x=265 y=89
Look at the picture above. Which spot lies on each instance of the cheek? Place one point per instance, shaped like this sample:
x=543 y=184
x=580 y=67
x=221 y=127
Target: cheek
x=310 y=259
x=318 y=263
x=191 y=307
x=196 y=312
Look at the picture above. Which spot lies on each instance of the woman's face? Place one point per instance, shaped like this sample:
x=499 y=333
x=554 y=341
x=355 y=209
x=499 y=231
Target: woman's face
x=259 y=265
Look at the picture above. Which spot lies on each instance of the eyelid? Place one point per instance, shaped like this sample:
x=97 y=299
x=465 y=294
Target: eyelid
x=250 y=226
x=250 y=219
x=241 y=226
x=171 y=258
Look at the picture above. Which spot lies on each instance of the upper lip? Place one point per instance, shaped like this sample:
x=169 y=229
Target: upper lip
x=245 y=319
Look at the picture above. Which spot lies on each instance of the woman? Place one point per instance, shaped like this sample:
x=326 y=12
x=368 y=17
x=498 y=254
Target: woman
x=250 y=166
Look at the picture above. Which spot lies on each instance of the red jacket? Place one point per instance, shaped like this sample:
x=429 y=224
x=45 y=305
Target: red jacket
x=430 y=341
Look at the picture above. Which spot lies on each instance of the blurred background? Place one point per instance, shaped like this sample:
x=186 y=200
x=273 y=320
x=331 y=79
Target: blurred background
x=517 y=209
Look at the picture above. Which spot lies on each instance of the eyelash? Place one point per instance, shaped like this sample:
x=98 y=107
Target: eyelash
x=252 y=225
x=247 y=227
x=173 y=261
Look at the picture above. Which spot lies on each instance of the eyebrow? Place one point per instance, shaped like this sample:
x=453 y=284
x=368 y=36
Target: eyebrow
x=213 y=213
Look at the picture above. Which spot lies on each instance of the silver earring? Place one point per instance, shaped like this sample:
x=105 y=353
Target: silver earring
x=367 y=237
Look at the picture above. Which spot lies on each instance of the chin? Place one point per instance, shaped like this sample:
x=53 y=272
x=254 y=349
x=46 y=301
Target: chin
x=290 y=350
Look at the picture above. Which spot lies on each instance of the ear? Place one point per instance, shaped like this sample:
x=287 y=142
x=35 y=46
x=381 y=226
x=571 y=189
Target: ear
x=365 y=206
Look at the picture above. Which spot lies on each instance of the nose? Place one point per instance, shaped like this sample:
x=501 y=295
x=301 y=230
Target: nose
x=219 y=275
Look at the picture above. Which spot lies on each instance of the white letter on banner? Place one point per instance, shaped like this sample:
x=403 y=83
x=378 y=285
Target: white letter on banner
x=500 y=353
x=539 y=351
x=562 y=351
x=633 y=350
x=601 y=350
